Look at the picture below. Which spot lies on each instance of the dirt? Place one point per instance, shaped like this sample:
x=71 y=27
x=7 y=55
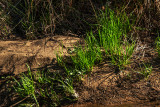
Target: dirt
x=102 y=87
x=14 y=55
x=127 y=88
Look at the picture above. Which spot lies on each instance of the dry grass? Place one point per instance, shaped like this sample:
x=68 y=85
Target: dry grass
x=42 y=18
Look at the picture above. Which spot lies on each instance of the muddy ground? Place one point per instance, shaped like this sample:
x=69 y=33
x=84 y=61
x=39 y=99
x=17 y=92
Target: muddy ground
x=102 y=87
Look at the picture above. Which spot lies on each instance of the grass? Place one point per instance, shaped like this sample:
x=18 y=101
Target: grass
x=26 y=87
x=37 y=19
x=109 y=42
x=32 y=17
x=87 y=56
x=112 y=35
x=111 y=38
x=146 y=70
x=49 y=89
x=158 y=45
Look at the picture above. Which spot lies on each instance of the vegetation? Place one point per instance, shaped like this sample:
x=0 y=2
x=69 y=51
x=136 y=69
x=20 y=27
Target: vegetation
x=109 y=39
x=158 y=45
x=45 y=88
x=146 y=70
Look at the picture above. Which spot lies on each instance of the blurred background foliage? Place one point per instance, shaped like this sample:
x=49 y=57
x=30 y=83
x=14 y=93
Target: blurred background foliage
x=35 y=19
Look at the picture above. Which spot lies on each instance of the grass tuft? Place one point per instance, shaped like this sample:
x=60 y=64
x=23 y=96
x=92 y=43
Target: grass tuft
x=49 y=89
x=158 y=45
x=26 y=87
x=111 y=38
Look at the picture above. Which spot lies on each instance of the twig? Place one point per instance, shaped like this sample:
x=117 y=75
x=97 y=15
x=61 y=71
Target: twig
x=105 y=79
x=93 y=8
x=126 y=5
x=19 y=101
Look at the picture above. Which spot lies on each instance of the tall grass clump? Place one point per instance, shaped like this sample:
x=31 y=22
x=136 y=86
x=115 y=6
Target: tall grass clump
x=112 y=36
x=86 y=57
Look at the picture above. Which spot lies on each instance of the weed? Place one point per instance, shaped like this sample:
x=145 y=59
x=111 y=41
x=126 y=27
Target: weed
x=59 y=59
x=146 y=71
x=158 y=45
x=67 y=86
x=26 y=86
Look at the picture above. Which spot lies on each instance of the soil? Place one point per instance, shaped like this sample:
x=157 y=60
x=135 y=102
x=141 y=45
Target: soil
x=36 y=53
x=104 y=86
